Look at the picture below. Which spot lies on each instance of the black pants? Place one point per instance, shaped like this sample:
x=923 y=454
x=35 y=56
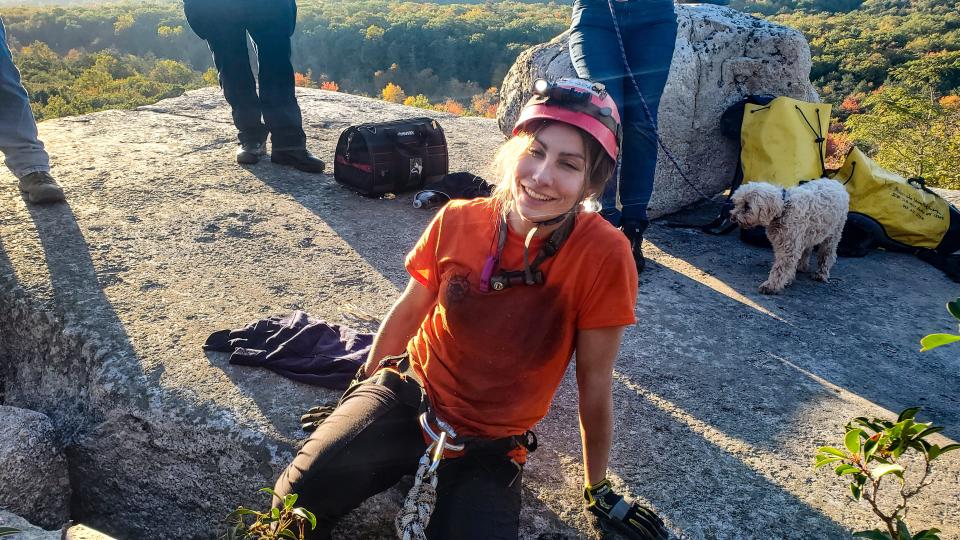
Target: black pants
x=369 y=442
x=277 y=101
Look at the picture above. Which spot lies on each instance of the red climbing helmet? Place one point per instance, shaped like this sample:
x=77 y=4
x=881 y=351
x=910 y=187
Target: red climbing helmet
x=578 y=102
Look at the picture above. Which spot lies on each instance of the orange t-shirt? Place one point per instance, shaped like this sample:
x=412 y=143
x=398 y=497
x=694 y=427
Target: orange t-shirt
x=491 y=362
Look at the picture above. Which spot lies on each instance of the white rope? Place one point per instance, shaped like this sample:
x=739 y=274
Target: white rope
x=413 y=519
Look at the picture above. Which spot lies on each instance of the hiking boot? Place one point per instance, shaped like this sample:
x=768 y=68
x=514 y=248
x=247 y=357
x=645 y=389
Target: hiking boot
x=634 y=233
x=251 y=152
x=41 y=188
x=300 y=159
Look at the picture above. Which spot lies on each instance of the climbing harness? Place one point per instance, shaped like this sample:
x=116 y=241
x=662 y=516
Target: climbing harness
x=398 y=375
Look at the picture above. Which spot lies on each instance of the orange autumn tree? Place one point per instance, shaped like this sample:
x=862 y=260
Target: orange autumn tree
x=451 y=106
x=485 y=104
x=393 y=93
x=303 y=80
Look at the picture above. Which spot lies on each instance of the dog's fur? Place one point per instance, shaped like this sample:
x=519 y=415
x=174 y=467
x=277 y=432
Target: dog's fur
x=808 y=216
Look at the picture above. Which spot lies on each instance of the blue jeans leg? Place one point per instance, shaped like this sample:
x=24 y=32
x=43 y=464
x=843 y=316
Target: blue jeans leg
x=649 y=31
x=22 y=150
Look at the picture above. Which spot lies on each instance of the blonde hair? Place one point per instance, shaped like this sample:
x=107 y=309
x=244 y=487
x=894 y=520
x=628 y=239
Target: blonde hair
x=598 y=168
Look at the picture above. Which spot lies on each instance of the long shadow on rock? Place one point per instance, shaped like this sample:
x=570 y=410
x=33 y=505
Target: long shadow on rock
x=132 y=447
x=707 y=328
x=68 y=347
x=380 y=230
x=702 y=487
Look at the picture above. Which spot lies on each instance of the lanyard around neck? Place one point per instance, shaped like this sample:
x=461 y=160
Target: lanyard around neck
x=531 y=274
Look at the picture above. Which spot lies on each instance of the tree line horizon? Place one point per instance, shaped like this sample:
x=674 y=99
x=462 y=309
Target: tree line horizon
x=886 y=65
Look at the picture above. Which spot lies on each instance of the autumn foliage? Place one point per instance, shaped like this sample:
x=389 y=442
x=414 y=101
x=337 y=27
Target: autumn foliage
x=302 y=80
x=484 y=104
x=393 y=93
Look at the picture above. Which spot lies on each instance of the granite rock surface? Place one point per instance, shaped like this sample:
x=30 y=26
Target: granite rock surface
x=33 y=470
x=722 y=394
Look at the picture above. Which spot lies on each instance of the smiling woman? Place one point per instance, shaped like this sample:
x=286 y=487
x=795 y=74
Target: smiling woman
x=470 y=356
x=550 y=162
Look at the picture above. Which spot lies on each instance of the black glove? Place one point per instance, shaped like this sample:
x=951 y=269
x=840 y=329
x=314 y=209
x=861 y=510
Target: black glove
x=318 y=413
x=315 y=416
x=629 y=517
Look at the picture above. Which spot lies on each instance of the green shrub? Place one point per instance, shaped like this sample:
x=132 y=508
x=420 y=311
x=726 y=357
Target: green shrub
x=286 y=522
x=873 y=452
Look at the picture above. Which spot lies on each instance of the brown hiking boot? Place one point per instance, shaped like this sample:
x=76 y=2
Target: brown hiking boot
x=41 y=188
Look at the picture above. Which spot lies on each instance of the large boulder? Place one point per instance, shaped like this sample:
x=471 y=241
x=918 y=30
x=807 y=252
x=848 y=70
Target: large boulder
x=721 y=56
x=33 y=471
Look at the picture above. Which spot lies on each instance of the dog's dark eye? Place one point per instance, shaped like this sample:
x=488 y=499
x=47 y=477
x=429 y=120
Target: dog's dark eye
x=746 y=206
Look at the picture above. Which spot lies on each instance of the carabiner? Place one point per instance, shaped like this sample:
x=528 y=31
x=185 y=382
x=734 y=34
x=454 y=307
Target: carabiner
x=433 y=434
x=438 y=446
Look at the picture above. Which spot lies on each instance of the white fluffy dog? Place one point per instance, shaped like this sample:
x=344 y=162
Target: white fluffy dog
x=797 y=220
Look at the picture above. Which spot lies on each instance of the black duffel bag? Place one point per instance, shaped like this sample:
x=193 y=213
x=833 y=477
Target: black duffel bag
x=391 y=157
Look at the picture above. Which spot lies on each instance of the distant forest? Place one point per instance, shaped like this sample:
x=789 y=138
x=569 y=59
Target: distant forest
x=436 y=48
x=876 y=61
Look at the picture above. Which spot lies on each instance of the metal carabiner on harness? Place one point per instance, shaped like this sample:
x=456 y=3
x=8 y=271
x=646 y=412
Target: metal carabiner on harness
x=437 y=446
x=425 y=424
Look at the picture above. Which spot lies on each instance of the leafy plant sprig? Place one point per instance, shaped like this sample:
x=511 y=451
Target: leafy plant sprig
x=286 y=522
x=872 y=451
x=933 y=341
x=9 y=531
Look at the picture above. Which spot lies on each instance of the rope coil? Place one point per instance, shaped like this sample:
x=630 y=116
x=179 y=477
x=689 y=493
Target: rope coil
x=417 y=508
x=413 y=519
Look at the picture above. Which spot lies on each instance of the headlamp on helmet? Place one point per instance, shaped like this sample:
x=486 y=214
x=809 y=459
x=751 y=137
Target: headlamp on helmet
x=581 y=103
x=567 y=94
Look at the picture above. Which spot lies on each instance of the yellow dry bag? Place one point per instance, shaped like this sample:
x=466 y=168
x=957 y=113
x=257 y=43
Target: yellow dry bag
x=784 y=141
x=910 y=214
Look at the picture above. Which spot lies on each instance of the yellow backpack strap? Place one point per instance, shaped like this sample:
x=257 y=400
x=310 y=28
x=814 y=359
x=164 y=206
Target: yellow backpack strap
x=818 y=133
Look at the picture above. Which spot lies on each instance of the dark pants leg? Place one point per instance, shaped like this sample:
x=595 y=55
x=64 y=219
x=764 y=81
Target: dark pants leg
x=369 y=442
x=478 y=498
x=649 y=30
x=229 y=47
x=278 y=99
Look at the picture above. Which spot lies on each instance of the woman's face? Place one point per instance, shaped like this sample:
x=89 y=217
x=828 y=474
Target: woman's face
x=551 y=173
